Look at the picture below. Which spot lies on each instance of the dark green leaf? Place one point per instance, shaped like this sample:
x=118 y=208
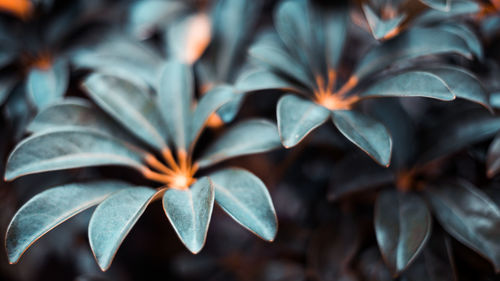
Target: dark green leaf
x=246 y=199
x=66 y=149
x=189 y=212
x=247 y=137
x=50 y=208
x=403 y=226
x=368 y=134
x=297 y=117
x=470 y=216
x=45 y=86
x=113 y=219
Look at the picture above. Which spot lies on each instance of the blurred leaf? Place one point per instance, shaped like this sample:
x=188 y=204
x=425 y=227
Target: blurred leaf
x=188 y=37
x=297 y=117
x=493 y=157
x=470 y=216
x=7 y=84
x=189 y=211
x=228 y=111
x=129 y=105
x=45 y=86
x=175 y=98
x=366 y=133
x=50 y=208
x=402 y=226
x=247 y=137
x=379 y=27
x=246 y=199
x=443 y=5
x=263 y=79
x=113 y=219
x=467 y=34
x=66 y=149
x=335 y=24
x=456 y=8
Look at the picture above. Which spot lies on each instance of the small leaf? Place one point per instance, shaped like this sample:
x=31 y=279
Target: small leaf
x=228 y=111
x=368 y=134
x=410 y=84
x=208 y=104
x=402 y=226
x=246 y=199
x=45 y=86
x=113 y=219
x=50 y=208
x=129 y=105
x=189 y=212
x=248 y=137
x=175 y=98
x=262 y=79
x=297 y=117
x=380 y=28
x=66 y=149
x=470 y=216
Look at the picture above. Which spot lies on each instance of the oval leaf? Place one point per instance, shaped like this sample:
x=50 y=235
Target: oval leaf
x=66 y=149
x=246 y=199
x=248 y=137
x=189 y=212
x=297 y=117
x=258 y=80
x=402 y=226
x=367 y=133
x=45 y=86
x=50 y=208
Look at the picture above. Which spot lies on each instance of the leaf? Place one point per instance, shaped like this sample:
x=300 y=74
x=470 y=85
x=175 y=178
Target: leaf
x=247 y=137
x=335 y=26
x=208 y=104
x=402 y=226
x=189 y=212
x=470 y=216
x=66 y=149
x=146 y=16
x=188 y=37
x=175 y=98
x=413 y=43
x=129 y=105
x=262 y=79
x=493 y=157
x=368 y=134
x=457 y=8
x=50 y=208
x=228 y=111
x=245 y=198
x=442 y=5
x=45 y=86
x=381 y=28
x=410 y=84
x=467 y=34
x=297 y=117
x=113 y=219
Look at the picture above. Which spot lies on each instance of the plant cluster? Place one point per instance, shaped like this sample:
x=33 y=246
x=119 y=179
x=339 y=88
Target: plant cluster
x=368 y=128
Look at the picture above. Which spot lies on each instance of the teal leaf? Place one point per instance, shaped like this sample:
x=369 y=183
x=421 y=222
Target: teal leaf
x=50 y=208
x=228 y=111
x=367 y=133
x=380 y=28
x=246 y=199
x=467 y=34
x=187 y=37
x=402 y=226
x=129 y=105
x=175 y=98
x=470 y=216
x=410 y=84
x=66 y=149
x=297 y=117
x=493 y=157
x=335 y=32
x=263 y=79
x=247 y=137
x=208 y=104
x=189 y=212
x=113 y=219
x=45 y=86
x=457 y=8
x=146 y=16
x=411 y=44
x=442 y=5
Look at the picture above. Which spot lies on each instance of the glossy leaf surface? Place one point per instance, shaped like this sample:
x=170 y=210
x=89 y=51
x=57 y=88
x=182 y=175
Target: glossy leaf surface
x=189 y=211
x=246 y=199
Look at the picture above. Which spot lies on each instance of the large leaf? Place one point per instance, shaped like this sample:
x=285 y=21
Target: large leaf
x=247 y=137
x=410 y=84
x=69 y=148
x=381 y=28
x=402 y=226
x=367 y=133
x=175 y=98
x=128 y=104
x=297 y=117
x=113 y=219
x=189 y=211
x=470 y=216
x=207 y=105
x=50 y=208
x=245 y=198
x=45 y=86
x=413 y=43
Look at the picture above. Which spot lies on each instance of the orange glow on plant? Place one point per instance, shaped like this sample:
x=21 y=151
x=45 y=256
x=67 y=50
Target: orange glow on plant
x=20 y=8
x=327 y=97
x=198 y=37
x=43 y=61
x=176 y=174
